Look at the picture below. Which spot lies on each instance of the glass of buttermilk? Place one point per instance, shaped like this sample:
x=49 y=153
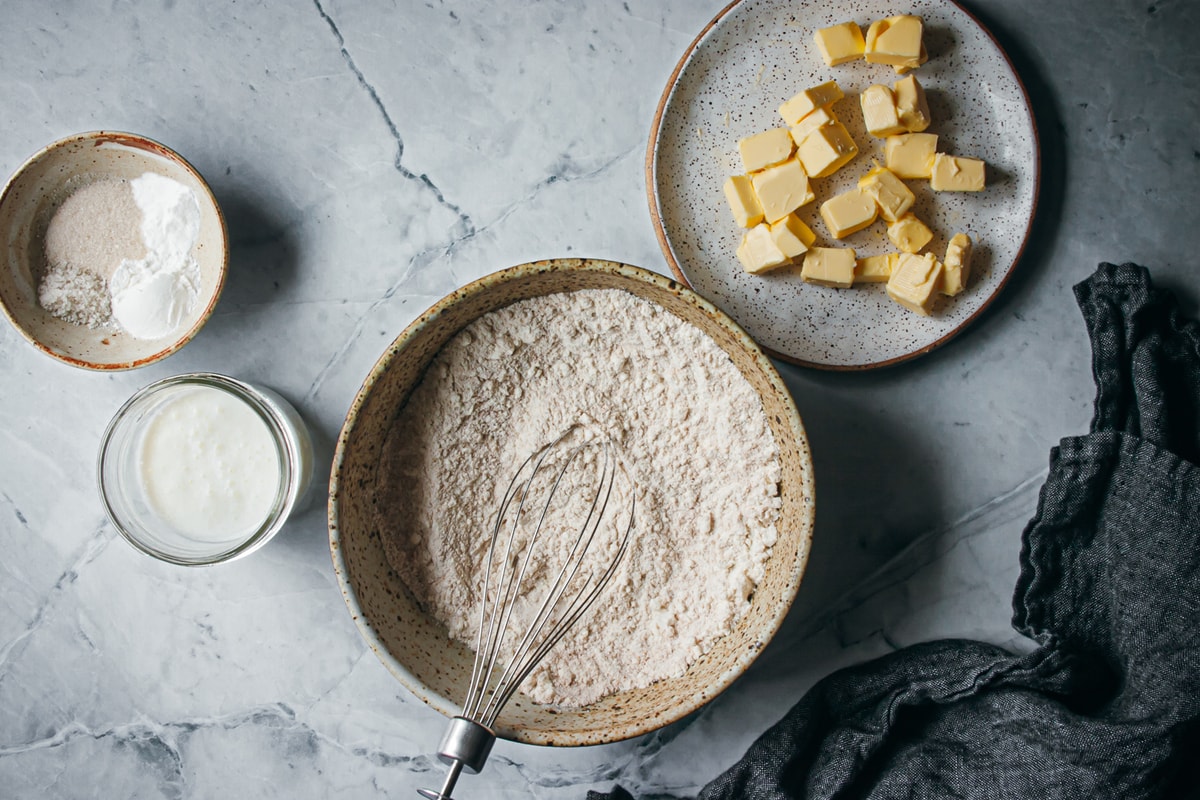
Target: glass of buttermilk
x=200 y=468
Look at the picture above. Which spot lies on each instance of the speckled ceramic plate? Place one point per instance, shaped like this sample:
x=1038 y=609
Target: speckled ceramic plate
x=756 y=54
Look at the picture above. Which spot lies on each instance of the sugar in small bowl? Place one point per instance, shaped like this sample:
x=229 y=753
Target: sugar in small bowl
x=113 y=250
x=201 y=468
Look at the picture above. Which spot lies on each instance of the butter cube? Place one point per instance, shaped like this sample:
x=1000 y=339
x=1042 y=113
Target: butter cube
x=910 y=155
x=826 y=150
x=840 y=43
x=909 y=234
x=879 y=111
x=739 y=191
x=829 y=266
x=888 y=191
x=911 y=104
x=808 y=101
x=875 y=269
x=902 y=69
x=758 y=251
x=849 y=212
x=782 y=189
x=792 y=236
x=956 y=269
x=764 y=149
x=895 y=41
x=816 y=119
x=956 y=174
x=914 y=282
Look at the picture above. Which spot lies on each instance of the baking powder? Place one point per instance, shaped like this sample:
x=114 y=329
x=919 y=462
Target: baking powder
x=689 y=430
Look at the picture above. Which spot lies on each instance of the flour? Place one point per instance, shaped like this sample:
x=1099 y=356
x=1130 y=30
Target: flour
x=692 y=437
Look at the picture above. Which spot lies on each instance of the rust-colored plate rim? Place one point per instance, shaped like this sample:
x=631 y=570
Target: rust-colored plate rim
x=664 y=244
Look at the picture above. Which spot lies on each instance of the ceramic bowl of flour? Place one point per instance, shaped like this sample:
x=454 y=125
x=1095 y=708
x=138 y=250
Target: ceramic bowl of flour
x=413 y=636
x=113 y=251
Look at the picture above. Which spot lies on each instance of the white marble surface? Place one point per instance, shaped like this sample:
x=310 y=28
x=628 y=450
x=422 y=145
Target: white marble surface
x=372 y=157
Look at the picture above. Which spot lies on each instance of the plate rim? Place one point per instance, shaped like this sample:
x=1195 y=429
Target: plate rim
x=651 y=176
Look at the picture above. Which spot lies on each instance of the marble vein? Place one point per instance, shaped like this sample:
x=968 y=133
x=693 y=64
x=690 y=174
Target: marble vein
x=85 y=554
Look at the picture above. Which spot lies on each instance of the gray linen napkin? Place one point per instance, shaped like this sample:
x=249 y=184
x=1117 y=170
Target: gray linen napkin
x=1109 y=705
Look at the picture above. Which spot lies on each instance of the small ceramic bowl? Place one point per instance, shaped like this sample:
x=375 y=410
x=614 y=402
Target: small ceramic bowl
x=416 y=649
x=35 y=192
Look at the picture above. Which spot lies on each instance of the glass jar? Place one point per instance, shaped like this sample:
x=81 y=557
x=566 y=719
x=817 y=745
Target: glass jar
x=200 y=468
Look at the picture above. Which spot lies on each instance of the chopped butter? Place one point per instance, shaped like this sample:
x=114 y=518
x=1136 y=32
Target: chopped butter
x=782 y=189
x=875 y=269
x=792 y=236
x=914 y=281
x=895 y=41
x=910 y=155
x=743 y=202
x=956 y=269
x=879 y=111
x=829 y=266
x=826 y=150
x=849 y=212
x=909 y=234
x=956 y=174
x=888 y=191
x=758 y=251
x=840 y=43
x=804 y=103
x=764 y=149
x=816 y=119
x=911 y=104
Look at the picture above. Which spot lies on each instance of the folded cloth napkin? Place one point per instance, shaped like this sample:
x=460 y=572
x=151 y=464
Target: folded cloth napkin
x=1109 y=705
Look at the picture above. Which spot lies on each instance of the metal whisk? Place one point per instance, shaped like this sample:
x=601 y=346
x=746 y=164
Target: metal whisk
x=566 y=597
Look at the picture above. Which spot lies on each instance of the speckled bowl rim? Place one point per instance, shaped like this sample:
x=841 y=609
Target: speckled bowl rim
x=136 y=142
x=769 y=624
x=661 y=233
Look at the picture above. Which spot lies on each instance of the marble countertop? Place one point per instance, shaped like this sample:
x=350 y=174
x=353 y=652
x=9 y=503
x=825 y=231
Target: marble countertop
x=372 y=157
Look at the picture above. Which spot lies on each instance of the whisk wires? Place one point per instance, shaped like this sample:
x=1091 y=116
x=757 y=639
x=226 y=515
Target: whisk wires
x=571 y=592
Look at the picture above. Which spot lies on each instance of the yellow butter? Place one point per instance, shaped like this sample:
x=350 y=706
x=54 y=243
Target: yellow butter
x=782 y=189
x=804 y=103
x=879 y=111
x=956 y=269
x=829 y=266
x=849 y=212
x=910 y=155
x=956 y=174
x=909 y=66
x=764 y=149
x=914 y=281
x=888 y=192
x=909 y=234
x=911 y=104
x=875 y=269
x=826 y=150
x=840 y=43
x=792 y=236
x=816 y=119
x=895 y=41
x=758 y=251
x=739 y=192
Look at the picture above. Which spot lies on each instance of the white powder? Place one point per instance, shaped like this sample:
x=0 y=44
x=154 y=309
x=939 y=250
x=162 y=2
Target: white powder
x=690 y=431
x=121 y=252
x=152 y=296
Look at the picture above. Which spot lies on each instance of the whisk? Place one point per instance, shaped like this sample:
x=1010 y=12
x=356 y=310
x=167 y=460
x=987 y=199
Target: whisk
x=565 y=597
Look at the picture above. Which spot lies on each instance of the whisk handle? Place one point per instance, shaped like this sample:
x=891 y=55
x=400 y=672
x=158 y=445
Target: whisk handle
x=465 y=746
